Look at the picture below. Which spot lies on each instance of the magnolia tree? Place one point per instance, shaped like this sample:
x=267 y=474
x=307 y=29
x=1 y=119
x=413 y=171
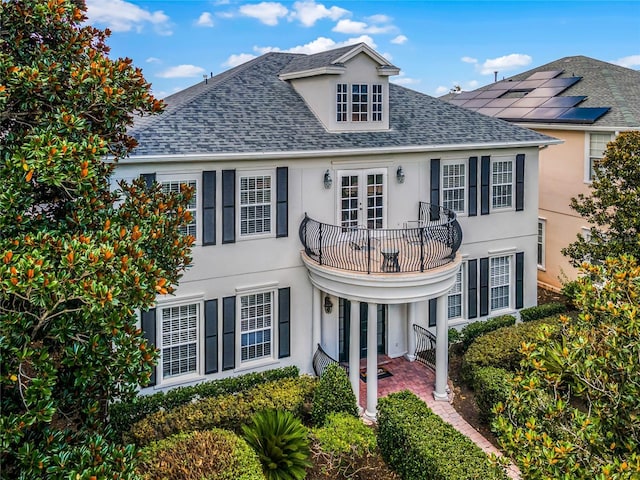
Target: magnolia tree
x=78 y=256
x=574 y=412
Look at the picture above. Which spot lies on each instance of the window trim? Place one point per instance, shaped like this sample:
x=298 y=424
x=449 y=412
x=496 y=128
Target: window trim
x=371 y=113
x=588 y=179
x=542 y=243
x=463 y=298
x=181 y=178
x=465 y=188
x=342 y=99
x=240 y=174
x=512 y=206
x=267 y=359
x=512 y=284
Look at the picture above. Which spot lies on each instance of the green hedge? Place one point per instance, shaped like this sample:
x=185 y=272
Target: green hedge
x=419 y=445
x=491 y=385
x=229 y=411
x=542 y=311
x=334 y=394
x=501 y=348
x=211 y=455
x=477 y=329
x=123 y=415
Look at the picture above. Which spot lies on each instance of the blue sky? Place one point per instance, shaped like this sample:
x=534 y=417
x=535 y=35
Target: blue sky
x=436 y=44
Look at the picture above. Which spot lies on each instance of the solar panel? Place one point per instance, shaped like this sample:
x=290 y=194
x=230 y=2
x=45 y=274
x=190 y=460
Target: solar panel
x=544 y=114
x=491 y=93
x=546 y=92
x=491 y=112
x=530 y=84
x=477 y=103
x=563 y=101
x=501 y=85
x=502 y=102
x=529 y=102
x=467 y=95
x=561 y=82
x=457 y=101
x=583 y=115
x=546 y=74
x=512 y=113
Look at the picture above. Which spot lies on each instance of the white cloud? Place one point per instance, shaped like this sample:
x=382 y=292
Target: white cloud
x=153 y=60
x=629 y=62
x=182 y=71
x=267 y=12
x=308 y=12
x=399 y=40
x=442 y=90
x=352 y=27
x=122 y=16
x=205 y=20
x=388 y=56
x=318 y=45
x=469 y=60
x=239 y=59
x=504 y=63
x=404 y=80
x=379 y=18
x=472 y=84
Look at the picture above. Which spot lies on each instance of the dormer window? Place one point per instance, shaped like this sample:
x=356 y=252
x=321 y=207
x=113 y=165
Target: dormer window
x=364 y=98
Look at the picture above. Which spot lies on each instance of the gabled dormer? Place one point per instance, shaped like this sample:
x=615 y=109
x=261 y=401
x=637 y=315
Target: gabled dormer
x=346 y=88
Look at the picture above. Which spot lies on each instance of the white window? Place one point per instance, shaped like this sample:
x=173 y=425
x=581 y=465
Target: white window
x=376 y=102
x=501 y=184
x=362 y=199
x=179 y=349
x=341 y=102
x=597 y=146
x=500 y=282
x=453 y=186
x=256 y=212
x=174 y=186
x=455 y=298
x=359 y=102
x=542 y=227
x=256 y=326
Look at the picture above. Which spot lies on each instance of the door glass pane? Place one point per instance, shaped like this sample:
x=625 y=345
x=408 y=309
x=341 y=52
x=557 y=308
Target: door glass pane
x=349 y=201
x=375 y=200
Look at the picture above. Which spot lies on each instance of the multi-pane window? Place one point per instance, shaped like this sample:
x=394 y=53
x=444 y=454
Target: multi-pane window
x=174 y=187
x=359 y=102
x=541 y=239
x=376 y=102
x=454 y=298
x=342 y=103
x=453 y=186
x=597 y=146
x=256 y=319
x=349 y=199
x=501 y=184
x=499 y=280
x=255 y=205
x=180 y=340
x=375 y=200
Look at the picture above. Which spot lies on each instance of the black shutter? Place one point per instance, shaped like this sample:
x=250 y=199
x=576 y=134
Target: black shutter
x=282 y=202
x=473 y=186
x=284 y=322
x=435 y=190
x=519 y=279
x=484 y=286
x=228 y=333
x=210 y=336
x=484 y=185
x=148 y=178
x=148 y=322
x=433 y=312
x=520 y=182
x=209 y=208
x=228 y=206
x=472 y=288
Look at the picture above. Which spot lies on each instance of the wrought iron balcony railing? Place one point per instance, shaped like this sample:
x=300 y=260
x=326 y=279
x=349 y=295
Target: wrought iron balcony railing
x=430 y=242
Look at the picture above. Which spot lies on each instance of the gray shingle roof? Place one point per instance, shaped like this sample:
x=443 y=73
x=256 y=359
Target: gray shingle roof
x=318 y=60
x=249 y=109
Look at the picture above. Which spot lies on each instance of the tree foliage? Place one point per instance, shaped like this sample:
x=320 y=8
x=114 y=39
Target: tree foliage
x=575 y=410
x=612 y=206
x=78 y=255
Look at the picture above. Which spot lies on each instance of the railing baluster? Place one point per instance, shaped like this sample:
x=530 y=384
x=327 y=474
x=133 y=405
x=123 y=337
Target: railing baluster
x=320 y=245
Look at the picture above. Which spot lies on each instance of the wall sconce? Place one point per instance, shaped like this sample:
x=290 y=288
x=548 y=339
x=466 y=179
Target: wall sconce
x=327 y=180
x=400 y=175
x=328 y=305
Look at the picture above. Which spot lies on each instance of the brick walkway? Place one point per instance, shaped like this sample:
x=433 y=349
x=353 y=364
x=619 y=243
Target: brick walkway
x=420 y=380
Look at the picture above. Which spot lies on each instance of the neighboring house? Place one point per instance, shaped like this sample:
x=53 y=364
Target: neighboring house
x=584 y=102
x=325 y=214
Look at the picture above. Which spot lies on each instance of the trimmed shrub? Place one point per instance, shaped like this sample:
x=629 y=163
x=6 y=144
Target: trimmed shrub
x=477 y=329
x=542 y=311
x=123 y=415
x=419 y=445
x=334 y=394
x=454 y=336
x=501 y=348
x=281 y=442
x=491 y=385
x=210 y=455
x=225 y=411
x=345 y=444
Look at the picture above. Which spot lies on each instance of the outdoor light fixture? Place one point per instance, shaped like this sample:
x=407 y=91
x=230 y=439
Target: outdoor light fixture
x=328 y=305
x=400 y=175
x=327 y=180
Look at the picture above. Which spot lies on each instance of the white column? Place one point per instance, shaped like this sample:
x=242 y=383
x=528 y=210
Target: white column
x=442 y=351
x=316 y=315
x=372 y=361
x=411 y=338
x=354 y=350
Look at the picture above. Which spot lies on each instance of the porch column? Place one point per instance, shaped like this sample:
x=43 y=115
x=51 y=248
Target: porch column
x=316 y=315
x=411 y=338
x=442 y=350
x=372 y=361
x=354 y=350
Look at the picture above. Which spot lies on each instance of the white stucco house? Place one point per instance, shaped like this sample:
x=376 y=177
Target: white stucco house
x=334 y=208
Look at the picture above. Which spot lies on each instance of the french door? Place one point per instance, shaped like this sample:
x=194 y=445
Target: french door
x=362 y=201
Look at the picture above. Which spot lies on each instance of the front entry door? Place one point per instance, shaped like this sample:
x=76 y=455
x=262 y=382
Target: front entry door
x=344 y=329
x=362 y=199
